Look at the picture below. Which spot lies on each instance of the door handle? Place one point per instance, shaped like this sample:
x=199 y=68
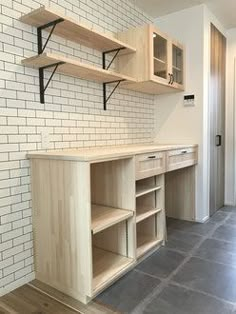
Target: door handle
x=170 y=75
x=218 y=140
x=172 y=79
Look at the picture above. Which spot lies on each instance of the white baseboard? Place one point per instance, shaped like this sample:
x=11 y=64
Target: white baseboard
x=202 y=220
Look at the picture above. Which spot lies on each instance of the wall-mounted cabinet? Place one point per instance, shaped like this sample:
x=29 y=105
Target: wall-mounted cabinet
x=158 y=64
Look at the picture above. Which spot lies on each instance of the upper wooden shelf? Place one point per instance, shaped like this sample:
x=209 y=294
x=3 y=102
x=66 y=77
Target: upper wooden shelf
x=142 y=190
x=74 y=31
x=104 y=217
x=75 y=68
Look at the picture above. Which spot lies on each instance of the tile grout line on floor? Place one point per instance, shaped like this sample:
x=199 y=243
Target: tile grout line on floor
x=165 y=281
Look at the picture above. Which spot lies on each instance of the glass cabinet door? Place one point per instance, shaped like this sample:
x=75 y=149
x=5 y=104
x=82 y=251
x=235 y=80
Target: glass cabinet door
x=177 y=64
x=160 y=56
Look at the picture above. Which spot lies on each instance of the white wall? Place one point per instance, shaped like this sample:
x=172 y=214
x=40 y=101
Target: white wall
x=72 y=116
x=176 y=123
x=230 y=193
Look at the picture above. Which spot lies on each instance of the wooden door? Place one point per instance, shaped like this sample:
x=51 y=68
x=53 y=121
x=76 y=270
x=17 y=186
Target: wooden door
x=217 y=119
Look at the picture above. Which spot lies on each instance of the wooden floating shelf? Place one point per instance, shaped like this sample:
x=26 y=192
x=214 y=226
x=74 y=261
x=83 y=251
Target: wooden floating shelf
x=74 y=68
x=145 y=213
x=146 y=243
x=145 y=190
x=107 y=266
x=104 y=217
x=74 y=31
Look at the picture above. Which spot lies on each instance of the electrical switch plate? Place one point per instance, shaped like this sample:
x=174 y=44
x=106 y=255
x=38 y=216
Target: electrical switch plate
x=189 y=100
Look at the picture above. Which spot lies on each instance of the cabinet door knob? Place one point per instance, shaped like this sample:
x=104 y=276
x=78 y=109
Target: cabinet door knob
x=172 y=79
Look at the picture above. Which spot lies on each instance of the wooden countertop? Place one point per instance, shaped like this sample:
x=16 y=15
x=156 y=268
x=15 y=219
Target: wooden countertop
x=106 y=153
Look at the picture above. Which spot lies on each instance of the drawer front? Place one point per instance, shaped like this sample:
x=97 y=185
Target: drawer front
x=180 y=158
x=147 y=165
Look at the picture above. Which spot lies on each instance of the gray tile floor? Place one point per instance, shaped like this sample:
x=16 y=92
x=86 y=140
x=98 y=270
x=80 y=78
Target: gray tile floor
x=194 y=273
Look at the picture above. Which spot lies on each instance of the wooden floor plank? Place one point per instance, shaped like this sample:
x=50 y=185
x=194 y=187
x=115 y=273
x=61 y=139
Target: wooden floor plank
x=38 y=298
x=26 y=300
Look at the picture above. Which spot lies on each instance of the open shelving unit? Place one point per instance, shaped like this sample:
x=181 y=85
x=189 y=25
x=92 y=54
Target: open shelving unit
x=54 y=22
x=110 y=255
x=145 y=243
x=112 y=220
x=107 y=265
x=149 y=213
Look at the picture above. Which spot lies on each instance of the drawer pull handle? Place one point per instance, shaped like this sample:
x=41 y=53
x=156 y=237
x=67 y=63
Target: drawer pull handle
x=152 y=157
x=184 y=152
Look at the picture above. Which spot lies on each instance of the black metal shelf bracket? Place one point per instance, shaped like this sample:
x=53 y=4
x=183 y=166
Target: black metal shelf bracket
x=42 y=87
x=117 y=50
x=42 y=47
x=105 y=98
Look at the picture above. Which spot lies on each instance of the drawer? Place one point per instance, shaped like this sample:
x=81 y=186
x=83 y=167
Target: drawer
x=150 y=164
x=180 y=158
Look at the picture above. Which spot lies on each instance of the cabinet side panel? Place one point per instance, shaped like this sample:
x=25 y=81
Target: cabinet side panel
x=160 y=203
x=180 y=193
x=136 y=65
x=61 y=220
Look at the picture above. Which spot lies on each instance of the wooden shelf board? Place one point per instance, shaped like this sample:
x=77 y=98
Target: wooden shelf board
x=107 y=266
x=75 y=68
x=104 y=217
x=145 y=213
x=151 y=87
x=146 y=243
x=145 y=190
x=74 y=31
x=177 y=69
x=159 y=60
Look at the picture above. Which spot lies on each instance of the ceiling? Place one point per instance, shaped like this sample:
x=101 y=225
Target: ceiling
x=224 y=10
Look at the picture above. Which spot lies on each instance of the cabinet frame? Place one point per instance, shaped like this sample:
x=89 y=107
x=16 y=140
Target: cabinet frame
x=63 y=194
x=141 y=64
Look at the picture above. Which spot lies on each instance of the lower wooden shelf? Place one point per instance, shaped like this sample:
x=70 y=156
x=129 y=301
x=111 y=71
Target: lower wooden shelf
x=143 y=213
x=146 y=243
x=107 y=266
x=75 y=68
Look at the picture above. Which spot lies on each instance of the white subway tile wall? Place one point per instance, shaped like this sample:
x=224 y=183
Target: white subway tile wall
x=72 y=116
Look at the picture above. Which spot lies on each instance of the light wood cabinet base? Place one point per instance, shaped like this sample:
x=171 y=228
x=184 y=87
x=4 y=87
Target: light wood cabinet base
x=94 y=220
x=180 y=193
